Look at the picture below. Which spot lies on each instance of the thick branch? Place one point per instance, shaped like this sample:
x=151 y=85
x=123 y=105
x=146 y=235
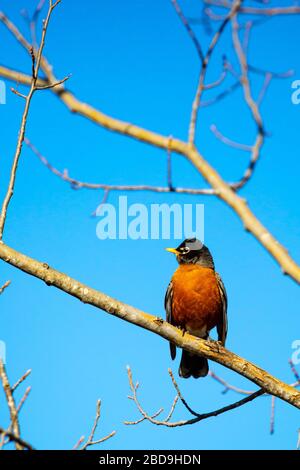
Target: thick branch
x=209 y=349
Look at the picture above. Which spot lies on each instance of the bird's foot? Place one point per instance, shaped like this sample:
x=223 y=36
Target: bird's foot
x=216 y=344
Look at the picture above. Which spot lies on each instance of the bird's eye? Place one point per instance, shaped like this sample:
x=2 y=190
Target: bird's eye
x=185 y=250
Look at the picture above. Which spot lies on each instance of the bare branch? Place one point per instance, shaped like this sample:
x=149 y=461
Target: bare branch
x=32 y=22
x=77 y=184
x=36 y=63
x=11 y=405
x=18 y=440
x=192 y=129
x=275 y=11
x=23 y=399
x=189 y=29
x=252 y=105
x=272 y=419
x=208 y=349
x=198 y=416
x=220 y=188
x=5 y=286
x=294 y=370
x=228 y=386
x=24 y=377
x=53 y=85
x=91 y=442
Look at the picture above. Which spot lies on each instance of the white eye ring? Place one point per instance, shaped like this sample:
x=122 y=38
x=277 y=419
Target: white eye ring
x=185 y=250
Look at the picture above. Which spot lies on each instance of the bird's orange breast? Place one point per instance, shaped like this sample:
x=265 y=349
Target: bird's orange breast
x=197 y=303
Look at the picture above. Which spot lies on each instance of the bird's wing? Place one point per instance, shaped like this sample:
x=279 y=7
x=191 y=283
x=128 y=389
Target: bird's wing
x=168 y=307
x=223 y=325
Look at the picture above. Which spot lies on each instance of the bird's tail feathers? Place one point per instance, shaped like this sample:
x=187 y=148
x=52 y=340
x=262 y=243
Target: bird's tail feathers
x=193 y=365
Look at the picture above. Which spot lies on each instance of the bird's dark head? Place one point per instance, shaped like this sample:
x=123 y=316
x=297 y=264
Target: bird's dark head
x=192 y=251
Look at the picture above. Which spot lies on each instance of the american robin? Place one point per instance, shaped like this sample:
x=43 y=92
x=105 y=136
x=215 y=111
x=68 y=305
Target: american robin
x=196 y=302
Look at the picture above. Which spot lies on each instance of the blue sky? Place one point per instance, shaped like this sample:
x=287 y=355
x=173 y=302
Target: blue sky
x=133 y=60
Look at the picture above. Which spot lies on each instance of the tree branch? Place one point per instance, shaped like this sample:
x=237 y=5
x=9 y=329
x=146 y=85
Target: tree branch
x=77 y=184
x=11 y=405
x=196 y=103
x=198 y=416
x=18 y=440
x=218 y=185
x=209 y=349
x=36 y=63
x=276 y=11
x=2 y=289
x=90 y=441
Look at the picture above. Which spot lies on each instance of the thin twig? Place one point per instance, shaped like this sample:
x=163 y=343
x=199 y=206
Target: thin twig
x=252 y=105
x=169 y=165
x=220 y=188
x=189 y=29
x=23 y=399
x=53 y=85
x=18 y=440
x=78 y=443
x=5 y=286
x=208 y=349
x=198 y=417
x=36 y=59
x=291 y=10
x=229 y=142
x=32 y=22
x=266 y=84
x=241 y=391
x=272 y=418
x=77 y=184
x=90 y=441
x=183 y=401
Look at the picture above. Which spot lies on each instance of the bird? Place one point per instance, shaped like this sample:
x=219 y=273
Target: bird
x=195 y=302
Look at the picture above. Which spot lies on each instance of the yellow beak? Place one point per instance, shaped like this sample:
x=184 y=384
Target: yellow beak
x=172 y=250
